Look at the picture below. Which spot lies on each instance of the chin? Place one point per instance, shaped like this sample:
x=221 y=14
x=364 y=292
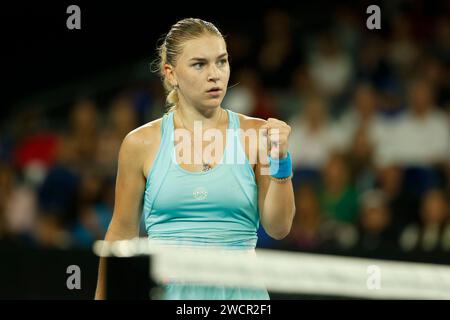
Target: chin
x=213 y=104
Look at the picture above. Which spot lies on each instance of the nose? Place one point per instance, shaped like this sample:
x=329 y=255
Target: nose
x=213 y=74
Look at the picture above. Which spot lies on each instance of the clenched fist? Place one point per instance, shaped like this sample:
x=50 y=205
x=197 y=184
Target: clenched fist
x=277 y=133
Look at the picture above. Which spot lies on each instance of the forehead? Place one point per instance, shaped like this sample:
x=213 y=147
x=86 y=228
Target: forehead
x=206 y=46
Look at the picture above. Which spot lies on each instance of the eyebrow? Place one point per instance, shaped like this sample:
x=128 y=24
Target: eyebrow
x=204 y=59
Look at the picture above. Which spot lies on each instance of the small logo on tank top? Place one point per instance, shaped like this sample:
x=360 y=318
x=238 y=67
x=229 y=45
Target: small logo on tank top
x=200 y=193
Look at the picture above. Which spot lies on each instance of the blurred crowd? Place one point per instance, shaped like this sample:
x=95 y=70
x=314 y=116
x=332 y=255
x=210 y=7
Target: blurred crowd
x=370 y=141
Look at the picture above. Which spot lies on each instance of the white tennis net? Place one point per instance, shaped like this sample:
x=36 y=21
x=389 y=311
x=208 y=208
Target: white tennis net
x=288 y=272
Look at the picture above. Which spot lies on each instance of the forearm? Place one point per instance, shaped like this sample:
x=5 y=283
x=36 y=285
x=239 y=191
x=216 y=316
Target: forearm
x=114 y=233
x=100 y=293
x=279 y=209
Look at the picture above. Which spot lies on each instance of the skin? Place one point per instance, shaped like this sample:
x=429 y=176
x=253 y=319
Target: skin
x=138 y=151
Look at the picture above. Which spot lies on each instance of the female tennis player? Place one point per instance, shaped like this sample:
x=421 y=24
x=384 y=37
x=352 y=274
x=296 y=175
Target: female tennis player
x=194 y=192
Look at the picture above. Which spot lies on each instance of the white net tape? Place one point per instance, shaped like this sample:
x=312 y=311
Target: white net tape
x=288 y=272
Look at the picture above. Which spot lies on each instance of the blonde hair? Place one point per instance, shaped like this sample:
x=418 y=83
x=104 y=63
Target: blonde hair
x=172 y=46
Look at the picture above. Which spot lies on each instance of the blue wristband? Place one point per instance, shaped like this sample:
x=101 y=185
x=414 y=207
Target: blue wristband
x=280 y=168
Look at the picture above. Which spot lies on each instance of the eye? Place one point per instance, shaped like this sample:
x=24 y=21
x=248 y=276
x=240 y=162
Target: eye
x=222 y=62
x=198 y=65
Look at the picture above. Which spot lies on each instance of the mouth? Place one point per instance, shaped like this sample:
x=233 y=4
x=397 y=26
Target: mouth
x=215 y=90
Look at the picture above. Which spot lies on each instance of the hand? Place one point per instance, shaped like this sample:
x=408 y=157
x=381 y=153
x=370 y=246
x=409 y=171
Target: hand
x=277 y=132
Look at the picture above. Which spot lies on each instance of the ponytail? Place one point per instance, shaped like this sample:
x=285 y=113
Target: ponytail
x=172 y=100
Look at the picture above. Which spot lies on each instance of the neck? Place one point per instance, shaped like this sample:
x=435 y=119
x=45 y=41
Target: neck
x=190 y=115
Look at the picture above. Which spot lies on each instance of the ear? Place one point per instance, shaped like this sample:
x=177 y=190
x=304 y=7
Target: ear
x=169 y=72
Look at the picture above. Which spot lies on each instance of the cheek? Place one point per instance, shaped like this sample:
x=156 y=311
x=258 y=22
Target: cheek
x=226 y=75
x=191 y=82
x=226 y=78
x=197 y=86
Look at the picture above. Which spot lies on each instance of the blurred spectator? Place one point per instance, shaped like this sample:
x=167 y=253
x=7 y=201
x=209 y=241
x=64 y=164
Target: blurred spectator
x=35 y=148
x=362 y=171
x=21 y=212
x=347 y=28
x=339 y=200
x=339 y=205
x=311 y=139
x=361 y=116
x=6 y=187
x=433 y=231
x=305 y=232
x=291 y=101
x=49 y=232
x=376 y=230
x=107 y=152
x=402 y=205
x=403 y=51
x=83 y=130
x=122 y=120
x=277 y=55
x=39 y=149
x=434 y=71
x=331 y=69
x=144 y=98
x=95 y=205
x=420 y=137
x=58 y=192
x=372 y=65
x=90 y=187
x=123 y=116
x=356 y=134
x=92 y=225
x=77 y=152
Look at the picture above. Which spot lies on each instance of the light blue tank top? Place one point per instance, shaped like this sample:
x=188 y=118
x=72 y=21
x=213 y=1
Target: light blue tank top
x=218 y=207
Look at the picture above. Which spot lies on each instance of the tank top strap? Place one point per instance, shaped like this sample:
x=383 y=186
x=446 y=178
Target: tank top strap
x=234 y=119
x=237 y=154
x=241 y=167
x=167 y=128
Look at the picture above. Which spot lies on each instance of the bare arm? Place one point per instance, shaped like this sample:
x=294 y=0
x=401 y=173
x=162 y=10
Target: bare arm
x=275 y=199
x=277 y=207
x=130 y=185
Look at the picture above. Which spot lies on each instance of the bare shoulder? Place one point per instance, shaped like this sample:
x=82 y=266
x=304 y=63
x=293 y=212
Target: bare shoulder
x=247 y=122
x=143 y=137
x=141 y=145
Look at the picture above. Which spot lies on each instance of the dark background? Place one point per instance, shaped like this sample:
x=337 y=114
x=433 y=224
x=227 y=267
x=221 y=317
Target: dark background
x=41 y=53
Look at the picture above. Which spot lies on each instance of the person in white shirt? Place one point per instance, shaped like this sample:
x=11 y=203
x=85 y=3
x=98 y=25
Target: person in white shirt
x=312 y=139
x=420 y=137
